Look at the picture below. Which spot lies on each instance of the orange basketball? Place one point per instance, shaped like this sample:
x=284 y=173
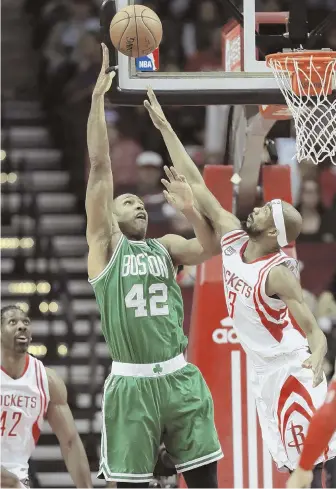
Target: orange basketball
x=136 y=31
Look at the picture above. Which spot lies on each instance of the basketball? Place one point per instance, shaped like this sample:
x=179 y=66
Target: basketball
x=136 y=31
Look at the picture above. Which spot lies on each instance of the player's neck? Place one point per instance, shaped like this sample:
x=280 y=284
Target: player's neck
x=13 y=363
x=136 y=238
x=255 y=250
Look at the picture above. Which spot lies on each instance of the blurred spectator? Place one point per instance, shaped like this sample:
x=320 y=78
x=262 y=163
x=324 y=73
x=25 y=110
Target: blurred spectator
x=326 y=315
x=65 y=35
x=148 y=185
x=328 y=185
x=209 y=57
x=149 y=174
x=315 y=225
x=271 y=5
x=196 y=153
x=124 y=151
x=202 y=19
x=310 y=300
x=179 y=224
x=87 y=57
x=71 y=116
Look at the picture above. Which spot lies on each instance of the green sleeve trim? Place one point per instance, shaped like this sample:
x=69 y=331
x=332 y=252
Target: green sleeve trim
x=164 y=249
x=102 y=274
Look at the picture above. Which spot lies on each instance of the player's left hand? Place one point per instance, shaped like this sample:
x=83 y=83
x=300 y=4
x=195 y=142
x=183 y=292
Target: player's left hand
x=300 y=478
x=155 y=111
x=178 y=194
x=315 y=363
x=104 y=80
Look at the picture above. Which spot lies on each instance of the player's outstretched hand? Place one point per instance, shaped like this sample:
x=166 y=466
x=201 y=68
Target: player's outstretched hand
x=315 y=363
x=178 y=194
x=155 y=111
x=300 y=478
x=104 y=80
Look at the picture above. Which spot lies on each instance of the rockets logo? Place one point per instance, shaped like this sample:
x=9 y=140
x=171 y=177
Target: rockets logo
x=149 y=62
x=298 y=436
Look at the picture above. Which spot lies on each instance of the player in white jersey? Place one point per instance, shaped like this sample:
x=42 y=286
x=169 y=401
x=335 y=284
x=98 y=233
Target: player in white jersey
x=31 y=393
x=265 y=301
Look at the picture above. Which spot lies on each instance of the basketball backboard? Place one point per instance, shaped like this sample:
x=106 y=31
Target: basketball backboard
x=247 y=35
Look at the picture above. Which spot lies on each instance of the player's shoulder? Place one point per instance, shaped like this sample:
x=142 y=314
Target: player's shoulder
x=284 y=270
x=234 y=237
x=281 y=279
x=167 y=241
x=52 y=375
x=57 y=388
x=288 y=265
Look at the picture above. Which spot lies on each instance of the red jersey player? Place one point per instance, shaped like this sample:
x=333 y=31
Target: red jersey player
x=320 y=431
x=264 y=300
x=31 y=393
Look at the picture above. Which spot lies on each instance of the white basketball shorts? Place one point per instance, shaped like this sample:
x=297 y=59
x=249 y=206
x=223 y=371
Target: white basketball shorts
x=286 y=401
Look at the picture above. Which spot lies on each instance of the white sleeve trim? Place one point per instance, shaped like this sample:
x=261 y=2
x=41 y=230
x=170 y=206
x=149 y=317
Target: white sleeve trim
x=232 y=236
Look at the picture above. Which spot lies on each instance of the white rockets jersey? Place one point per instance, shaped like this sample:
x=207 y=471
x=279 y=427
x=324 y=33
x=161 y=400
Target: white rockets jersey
x=262 y=323
x=24 y=403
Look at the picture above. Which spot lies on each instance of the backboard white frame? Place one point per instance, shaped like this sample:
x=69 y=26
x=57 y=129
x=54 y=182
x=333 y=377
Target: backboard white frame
x=257 y=77
x=251 y=64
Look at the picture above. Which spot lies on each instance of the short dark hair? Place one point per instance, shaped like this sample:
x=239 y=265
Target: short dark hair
x=9 y=308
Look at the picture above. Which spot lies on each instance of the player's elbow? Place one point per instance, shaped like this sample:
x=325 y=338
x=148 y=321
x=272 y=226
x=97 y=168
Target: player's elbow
x=69 y=441
x=99 y=163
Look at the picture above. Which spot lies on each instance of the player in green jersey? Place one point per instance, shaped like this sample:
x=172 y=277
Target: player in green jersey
x=152 y=392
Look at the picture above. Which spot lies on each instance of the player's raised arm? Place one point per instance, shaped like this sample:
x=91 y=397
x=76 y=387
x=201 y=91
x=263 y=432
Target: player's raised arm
x=63 y=425
x=188 y=251
x=221 y=220
x=283 y=283
x=102 y=227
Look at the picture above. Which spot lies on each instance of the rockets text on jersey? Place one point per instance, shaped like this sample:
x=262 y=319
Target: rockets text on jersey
x=263 y=324
x=24 y=403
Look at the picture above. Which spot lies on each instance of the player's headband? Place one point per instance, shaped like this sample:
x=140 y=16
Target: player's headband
x=279 y=222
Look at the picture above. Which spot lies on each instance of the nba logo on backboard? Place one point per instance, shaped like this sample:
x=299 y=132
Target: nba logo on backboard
x=149 y=62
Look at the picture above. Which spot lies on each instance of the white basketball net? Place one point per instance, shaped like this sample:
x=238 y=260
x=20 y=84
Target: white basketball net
x=315 y=114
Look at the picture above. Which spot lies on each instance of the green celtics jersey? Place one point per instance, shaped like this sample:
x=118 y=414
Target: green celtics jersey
x=140 y=303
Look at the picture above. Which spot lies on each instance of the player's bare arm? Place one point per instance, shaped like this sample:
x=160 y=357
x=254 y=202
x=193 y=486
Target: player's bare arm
x=179 y=195
x=222 y=220
x=102 y=231
x=283 y=283
x=63 y=425
x=8 y=479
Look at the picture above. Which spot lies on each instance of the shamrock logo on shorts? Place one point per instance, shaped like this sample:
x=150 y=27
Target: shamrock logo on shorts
x=157 y=369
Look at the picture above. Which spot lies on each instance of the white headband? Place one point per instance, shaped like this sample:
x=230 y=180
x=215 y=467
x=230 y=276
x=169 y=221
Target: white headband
x=279 y=222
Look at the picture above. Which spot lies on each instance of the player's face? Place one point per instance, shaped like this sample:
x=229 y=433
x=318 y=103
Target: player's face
x=16 y=331
x=260 y=221
x=132 y=216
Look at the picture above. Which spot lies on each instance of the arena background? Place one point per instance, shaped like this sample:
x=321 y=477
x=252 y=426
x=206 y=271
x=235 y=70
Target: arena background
x=50 y=61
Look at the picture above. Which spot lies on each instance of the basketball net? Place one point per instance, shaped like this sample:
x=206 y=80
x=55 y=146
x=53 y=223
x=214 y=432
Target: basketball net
x=307 y=79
